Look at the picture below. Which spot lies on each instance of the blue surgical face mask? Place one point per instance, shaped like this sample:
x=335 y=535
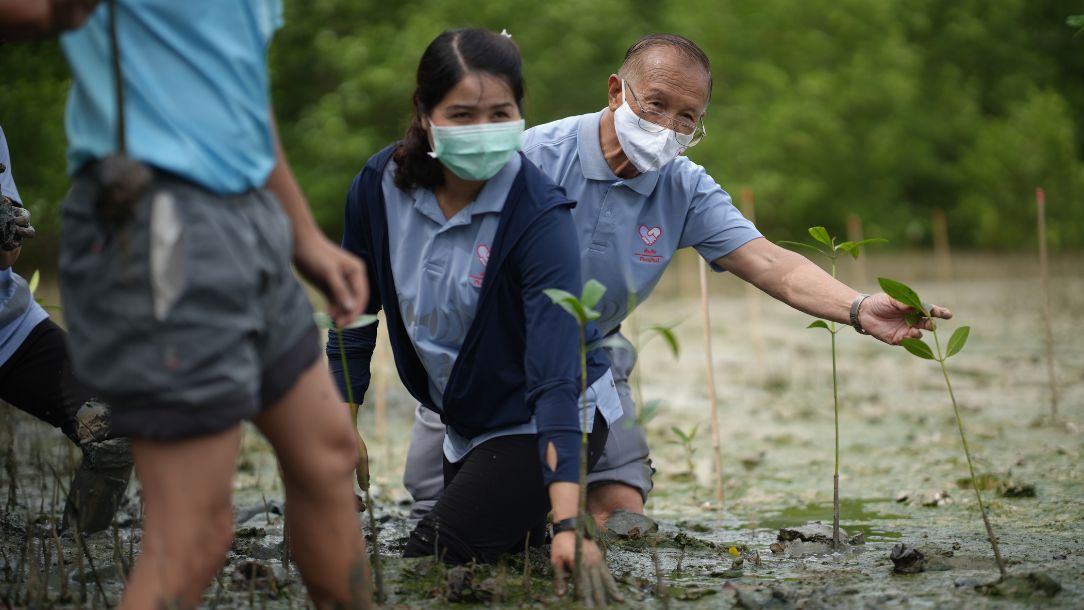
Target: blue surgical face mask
x=476 y=152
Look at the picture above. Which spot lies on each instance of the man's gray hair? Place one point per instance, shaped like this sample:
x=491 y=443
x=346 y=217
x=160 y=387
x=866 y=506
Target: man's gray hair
x=635 y=55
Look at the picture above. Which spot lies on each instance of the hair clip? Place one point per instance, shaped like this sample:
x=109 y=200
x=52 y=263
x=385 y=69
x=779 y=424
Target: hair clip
x=504 y=32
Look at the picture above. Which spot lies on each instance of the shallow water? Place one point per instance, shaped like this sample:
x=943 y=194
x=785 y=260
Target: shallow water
x=773 y=376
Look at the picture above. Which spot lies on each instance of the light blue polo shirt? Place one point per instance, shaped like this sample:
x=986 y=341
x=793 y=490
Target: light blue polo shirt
x=197 y=96
x=630 y=229
x=439 y=265
x=19 y=313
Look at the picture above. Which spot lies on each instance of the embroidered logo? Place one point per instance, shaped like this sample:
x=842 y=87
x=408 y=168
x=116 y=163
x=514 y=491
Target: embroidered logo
x=650 y=236
x=482 y=252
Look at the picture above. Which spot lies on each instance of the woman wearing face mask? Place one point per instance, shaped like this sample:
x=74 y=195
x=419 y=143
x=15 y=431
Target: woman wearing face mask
x=461 y=235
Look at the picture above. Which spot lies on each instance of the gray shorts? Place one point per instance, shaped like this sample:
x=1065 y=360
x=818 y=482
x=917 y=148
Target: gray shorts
x=624 y=460
x=189 y=319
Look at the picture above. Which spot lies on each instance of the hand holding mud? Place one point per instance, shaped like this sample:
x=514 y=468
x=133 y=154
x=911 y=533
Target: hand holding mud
x=14 y=225
x=595 y=586
x=886 y=319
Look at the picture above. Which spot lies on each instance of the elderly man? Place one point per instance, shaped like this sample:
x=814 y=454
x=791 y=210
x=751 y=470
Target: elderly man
x=639 y=202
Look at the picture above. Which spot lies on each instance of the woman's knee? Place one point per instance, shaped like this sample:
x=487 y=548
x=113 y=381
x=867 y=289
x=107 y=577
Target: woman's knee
x=325 y=463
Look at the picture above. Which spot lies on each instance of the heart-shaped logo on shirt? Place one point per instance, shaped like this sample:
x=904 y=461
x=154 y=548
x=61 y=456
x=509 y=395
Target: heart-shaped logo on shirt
x=650 y=236
x=483 y=254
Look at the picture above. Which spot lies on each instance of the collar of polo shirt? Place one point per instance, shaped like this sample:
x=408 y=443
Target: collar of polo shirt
x=594 y=164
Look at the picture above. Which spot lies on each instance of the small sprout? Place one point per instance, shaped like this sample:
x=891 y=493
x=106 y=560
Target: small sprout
x=853 y=248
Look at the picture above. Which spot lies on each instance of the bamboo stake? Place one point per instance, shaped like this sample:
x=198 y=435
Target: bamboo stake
x=855 y=234
x=941 y=245
x=1044 y=274
x=716 y=444
x=381 y=398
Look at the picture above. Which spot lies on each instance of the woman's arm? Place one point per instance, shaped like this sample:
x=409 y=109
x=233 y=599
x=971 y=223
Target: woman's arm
x=358 y=344
x=549 y=257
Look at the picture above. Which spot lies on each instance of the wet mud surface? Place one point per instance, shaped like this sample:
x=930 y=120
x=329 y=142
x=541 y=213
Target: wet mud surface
x=903 y=481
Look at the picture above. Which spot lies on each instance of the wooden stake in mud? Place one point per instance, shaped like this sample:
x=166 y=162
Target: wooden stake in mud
x=1044 y=274
x=716 y=445
x=854 y=233
x=941 y=245
x=381 y=389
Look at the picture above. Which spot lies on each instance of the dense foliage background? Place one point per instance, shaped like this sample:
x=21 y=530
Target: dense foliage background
x=823 y=108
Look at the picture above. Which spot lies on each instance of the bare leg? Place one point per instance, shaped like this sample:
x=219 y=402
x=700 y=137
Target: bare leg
x=605 y=499
x=187 y=518
x=311 y=433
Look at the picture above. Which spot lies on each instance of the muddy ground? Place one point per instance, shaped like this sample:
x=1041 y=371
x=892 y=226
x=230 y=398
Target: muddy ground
x=901 y=462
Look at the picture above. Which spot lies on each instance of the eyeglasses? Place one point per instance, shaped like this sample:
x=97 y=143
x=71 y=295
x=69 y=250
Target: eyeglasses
x=686 y=133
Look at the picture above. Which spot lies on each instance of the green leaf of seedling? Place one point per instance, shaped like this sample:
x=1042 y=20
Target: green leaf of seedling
x=1075 y=21
x=363 y=320
x=819 y=324
x=592 y=293
x=918 y=347
x=957 y=340
x=323 y=320
x=869 y=242
x=912 y=317
x=647 y=413
x=34 y=281
x=692 y=433
x=903 y=293
x=568 y=302
x=677 y=431
x=784 y=242
x=821 y=234
x=667 y=334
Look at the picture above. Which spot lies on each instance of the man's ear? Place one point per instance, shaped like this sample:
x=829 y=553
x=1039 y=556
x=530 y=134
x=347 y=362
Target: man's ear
x=614 y=100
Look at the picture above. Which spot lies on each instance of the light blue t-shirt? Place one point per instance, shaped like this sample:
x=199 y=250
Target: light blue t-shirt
x=19 y=313
x=439 y=265
x=197 y=98
x=630 y=229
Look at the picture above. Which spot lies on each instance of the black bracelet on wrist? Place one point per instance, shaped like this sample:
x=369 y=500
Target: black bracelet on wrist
x=568 y=525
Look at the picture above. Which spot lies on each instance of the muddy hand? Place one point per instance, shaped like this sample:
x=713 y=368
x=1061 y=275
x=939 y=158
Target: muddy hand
x=595 y=586
x=23 y=229
x=337 y=273
x=887 y=319
x=362 y=471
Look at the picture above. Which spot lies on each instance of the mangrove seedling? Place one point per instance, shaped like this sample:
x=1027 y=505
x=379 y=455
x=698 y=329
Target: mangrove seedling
x=833 y=253
x=904 y=294
x=582 y=309
x=323 y=320
x=685 y=439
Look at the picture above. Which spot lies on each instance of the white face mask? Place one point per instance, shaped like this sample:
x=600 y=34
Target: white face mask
x=646 y=151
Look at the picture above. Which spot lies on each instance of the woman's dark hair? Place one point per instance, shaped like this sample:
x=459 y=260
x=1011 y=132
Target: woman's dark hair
x=446 y=61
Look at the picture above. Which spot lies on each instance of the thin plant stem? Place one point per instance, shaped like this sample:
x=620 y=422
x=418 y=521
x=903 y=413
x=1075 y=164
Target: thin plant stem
x=716 y=443
x=363 y=477
x=967 y=453
x=835 y=402
x=581 y=521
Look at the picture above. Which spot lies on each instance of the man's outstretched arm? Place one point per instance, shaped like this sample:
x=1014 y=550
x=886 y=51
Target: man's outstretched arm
x=798 y=282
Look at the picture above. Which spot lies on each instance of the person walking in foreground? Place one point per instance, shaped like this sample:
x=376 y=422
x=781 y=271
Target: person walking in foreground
x=183 y=310
x=461 y=235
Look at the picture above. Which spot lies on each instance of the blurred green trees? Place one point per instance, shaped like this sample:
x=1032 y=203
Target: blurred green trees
x=823 y=107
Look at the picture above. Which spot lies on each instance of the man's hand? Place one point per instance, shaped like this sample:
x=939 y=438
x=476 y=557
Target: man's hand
x=886 y=319
x=596 y=587
x=336 y=273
